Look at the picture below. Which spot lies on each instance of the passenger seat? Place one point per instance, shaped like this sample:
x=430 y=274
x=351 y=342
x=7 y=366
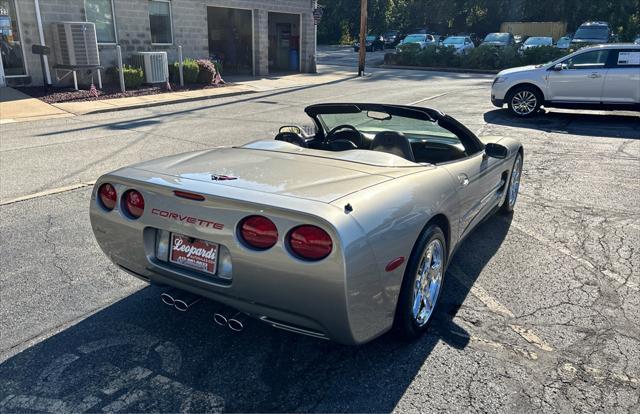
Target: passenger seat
x=393 y=142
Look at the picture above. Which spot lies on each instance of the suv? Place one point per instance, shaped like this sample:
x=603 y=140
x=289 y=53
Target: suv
x=499 y=40
x=591 y=33
x=598 y=77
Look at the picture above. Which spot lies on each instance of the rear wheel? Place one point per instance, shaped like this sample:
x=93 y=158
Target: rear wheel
x=524 y=101
x=422 y=284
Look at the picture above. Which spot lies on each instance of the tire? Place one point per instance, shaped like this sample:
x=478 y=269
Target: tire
x=513 y=188
x=524 y=101
x=409 y=323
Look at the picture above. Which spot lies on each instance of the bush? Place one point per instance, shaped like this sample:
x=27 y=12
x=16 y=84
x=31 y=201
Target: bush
x=483 y=57
x=133 y=76
x=207 y=71
x=542 y=54
x=438 y=56
x=190 y=70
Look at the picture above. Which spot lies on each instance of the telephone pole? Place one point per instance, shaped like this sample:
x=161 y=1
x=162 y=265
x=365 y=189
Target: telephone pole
x=363 y=36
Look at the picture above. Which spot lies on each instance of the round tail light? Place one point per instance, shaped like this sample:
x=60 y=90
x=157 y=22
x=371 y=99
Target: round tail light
x=108 y=196
x=258 y=232
x=310 y=242
x=133 y=203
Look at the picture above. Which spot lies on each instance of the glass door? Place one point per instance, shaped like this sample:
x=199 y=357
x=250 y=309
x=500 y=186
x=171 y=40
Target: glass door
x=11 y=47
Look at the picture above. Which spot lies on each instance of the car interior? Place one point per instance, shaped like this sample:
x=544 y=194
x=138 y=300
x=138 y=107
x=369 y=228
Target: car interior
x=441 y=140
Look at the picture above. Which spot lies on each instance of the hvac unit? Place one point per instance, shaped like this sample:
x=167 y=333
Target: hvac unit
x=153 y=64
x=76 y=44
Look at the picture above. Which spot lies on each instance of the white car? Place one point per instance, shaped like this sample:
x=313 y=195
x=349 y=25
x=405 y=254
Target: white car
x=421 y=39
x=598 y=77
x=536 y=41
x=462 y=44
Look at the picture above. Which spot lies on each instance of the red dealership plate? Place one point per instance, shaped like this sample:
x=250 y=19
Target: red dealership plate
x=196 y=254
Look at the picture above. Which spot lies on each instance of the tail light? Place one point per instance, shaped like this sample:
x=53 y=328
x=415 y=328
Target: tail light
x=310 y=242
x=133 y=203
x=108 y=196
x=258 y=232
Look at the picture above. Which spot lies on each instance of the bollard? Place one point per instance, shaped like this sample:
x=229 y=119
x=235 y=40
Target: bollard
x=180 y=65
x=120 y=69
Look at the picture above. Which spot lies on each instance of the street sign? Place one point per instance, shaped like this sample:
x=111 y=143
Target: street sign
x=317 y=15
x=40 y=50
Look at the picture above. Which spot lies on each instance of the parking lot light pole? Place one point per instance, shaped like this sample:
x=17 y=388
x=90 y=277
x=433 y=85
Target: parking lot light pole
x=363 y=36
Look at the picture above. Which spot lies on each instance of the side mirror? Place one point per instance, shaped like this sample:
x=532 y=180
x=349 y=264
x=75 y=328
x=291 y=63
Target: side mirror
x=496 y=150
x=557 y=67
x=291 y=128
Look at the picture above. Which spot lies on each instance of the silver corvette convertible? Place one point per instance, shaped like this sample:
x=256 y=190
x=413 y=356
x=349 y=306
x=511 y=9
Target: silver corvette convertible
x=341 y=234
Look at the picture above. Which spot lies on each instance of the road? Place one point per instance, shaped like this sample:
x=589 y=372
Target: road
x=539 y=310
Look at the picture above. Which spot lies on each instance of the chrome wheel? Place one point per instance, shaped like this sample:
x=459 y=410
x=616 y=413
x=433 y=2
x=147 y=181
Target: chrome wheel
x=524 y=102
x=514 y=185
x=428 y=281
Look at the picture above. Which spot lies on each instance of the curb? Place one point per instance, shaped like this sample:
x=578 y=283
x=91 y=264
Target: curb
x=160 y=103
x=434 y=69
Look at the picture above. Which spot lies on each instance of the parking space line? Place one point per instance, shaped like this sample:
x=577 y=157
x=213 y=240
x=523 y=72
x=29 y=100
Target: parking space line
x=498 y=308
x=48 y=192
x=428 y=98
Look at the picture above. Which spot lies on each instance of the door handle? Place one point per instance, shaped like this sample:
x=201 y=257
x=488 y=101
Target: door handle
x=463 y=179
x=595 y=76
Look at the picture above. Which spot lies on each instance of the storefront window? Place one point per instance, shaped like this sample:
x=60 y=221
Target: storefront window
x=100 y=12
x=160 y=21
x=10 y=40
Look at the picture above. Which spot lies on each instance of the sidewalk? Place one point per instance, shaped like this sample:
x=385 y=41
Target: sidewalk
x=20 y=107
x=15 y=106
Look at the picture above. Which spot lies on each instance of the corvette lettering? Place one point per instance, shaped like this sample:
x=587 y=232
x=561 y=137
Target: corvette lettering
x=187 y=219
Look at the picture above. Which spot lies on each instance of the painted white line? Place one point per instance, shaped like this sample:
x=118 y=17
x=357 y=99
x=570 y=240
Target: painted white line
x=48 y=192
x=428 y=98
x=496 y=307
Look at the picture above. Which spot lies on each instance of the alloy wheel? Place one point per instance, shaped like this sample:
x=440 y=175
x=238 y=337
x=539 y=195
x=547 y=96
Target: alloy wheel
x=524 y=102
x=428 y=282
x=514 y=185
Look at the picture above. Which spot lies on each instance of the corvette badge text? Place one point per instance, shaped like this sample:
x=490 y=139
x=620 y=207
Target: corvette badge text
x=187 y=219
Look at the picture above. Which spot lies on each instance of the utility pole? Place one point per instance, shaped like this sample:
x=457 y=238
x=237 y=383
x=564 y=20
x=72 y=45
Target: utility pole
x=363 y=36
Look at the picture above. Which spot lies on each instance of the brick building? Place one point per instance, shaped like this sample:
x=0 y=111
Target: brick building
x=253 y=37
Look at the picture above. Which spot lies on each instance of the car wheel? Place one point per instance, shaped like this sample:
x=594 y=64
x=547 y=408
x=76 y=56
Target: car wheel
x=524 y=101
x=422 y=284
x=514 y=186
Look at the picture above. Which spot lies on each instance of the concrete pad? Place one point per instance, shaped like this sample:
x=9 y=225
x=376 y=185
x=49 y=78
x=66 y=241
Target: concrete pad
x=16 y=106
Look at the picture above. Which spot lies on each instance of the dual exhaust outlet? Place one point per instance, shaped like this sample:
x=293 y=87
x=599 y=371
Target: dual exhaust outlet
x=226 y=316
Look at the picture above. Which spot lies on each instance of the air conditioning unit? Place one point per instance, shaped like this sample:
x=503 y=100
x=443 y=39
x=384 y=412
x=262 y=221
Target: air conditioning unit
x=76 y=43
x=153 y=64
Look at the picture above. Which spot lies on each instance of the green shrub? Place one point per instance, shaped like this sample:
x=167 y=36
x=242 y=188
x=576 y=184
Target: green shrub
x=133 y=76
x=542 y=54
x=409 y=54
x=174 y=72
x=482 y=57
x=190 y=70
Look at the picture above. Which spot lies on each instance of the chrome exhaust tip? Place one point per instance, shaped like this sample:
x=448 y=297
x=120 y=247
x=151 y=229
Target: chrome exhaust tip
x=220 y=317
x=184 y=301
x=237 y=322
x=167 y=297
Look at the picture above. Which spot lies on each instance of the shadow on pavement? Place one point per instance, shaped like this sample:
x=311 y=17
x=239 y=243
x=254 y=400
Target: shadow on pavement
x=611 y=125
x=139 y=355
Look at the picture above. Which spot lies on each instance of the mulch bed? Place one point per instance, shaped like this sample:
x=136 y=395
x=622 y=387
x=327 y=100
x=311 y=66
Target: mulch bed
x=59 y=95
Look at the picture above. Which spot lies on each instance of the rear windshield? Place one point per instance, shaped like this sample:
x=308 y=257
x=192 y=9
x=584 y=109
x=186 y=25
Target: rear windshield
x=592 y=32
x=454 y=40
x=414 y=38
x=538 y=41
x=497 y=37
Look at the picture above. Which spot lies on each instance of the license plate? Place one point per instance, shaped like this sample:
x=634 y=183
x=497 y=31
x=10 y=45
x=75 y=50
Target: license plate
x=196 y=254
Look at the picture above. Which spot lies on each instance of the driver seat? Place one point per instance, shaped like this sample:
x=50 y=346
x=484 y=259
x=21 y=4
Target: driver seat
x=393 y=142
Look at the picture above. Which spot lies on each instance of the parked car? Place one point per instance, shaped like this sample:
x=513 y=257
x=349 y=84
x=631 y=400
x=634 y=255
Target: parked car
x=342 y=235
x=520 y=39
x=499 y=40
x=592 y=33
x=536 y=41
x=373 y=43
x=462 y=44
x=417 y=38
x=392 y=38
x=564 y=43
x=473 y=36
x=598 y=77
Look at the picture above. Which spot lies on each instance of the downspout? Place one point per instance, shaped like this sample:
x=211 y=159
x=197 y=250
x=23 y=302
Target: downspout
x=47 y=74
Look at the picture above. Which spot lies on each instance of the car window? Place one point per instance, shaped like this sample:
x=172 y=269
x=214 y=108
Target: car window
x=588 y=60
x=627 y=58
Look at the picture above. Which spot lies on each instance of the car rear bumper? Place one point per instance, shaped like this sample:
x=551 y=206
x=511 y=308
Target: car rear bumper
x=329 y=298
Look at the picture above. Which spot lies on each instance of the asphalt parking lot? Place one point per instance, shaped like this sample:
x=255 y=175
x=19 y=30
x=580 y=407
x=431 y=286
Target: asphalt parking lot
x=539 y=310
